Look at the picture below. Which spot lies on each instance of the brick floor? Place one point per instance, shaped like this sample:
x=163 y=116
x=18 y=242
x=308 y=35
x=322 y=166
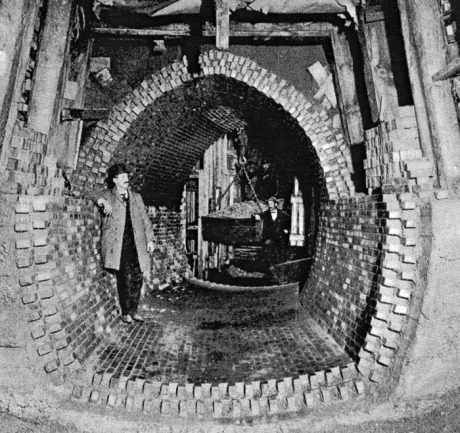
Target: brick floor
x=181 y=342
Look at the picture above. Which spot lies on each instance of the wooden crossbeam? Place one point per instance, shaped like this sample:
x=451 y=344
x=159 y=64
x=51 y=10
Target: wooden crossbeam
x=88 y=114
x=452 y=69
x=142 y=32
x=264 y=30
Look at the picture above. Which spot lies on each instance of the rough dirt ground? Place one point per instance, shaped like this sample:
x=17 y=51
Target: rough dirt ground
x=441 y=414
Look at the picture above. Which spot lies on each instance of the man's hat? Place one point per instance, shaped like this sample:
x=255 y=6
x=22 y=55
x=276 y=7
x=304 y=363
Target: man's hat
x=116 y=169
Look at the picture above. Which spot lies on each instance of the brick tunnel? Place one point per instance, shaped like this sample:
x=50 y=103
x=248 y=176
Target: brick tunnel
x=364 y=317
x=161 y=131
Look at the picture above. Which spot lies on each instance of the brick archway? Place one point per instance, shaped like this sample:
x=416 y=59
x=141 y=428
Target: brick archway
x=332 y=155
x=354 y=278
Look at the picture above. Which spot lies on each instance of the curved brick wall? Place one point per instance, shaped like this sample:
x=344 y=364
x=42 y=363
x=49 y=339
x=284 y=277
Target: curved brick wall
x=70 y=299
x=135 y=124
x=363 y=275
x=361 y=238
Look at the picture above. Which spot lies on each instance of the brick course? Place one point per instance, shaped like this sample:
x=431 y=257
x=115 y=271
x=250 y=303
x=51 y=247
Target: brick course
x=342 y=287
x=169 y=261
x=108 y=138
x=70 y=298
x=30 y=168
x=363 y=277
x=395 y=161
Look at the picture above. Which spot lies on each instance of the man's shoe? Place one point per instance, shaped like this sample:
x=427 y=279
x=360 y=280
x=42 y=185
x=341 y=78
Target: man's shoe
x=127 y=318
x=138 y=318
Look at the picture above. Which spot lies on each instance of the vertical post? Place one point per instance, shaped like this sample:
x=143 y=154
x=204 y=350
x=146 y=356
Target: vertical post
x=421 y=112
x=51 y=58
x=13 y=17
x=379 y=75
x=301 y=224
x=347 y=88
x=16 y=32
x=427 y=54
x=297 y=236
x=222 y=24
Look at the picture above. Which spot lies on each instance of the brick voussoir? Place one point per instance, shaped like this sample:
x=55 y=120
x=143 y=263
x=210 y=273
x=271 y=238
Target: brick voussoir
x=223 y=63
x=228 y=401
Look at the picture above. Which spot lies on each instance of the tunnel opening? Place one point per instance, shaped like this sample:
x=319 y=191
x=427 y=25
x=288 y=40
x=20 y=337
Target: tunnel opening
x=311 y=108
x=198 y=337
x=166 y=148
x=211 y=123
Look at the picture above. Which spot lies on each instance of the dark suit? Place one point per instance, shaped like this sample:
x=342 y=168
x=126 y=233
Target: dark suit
x=275 y=238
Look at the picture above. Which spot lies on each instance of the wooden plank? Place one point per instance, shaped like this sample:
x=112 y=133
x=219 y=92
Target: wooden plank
x=69 y=114
x=379 y=74
x=421 y=112
x=275 y=33
x=296 y=187
x=141 y=32
x=15 y=52
x=294 y=219
x=296 y=199
x=222 y=24
x=82 y=75
x=50 y=62
x=238 y=31
x=301 y=229
x=452 y=69
x=374 y=13
x=346 y=88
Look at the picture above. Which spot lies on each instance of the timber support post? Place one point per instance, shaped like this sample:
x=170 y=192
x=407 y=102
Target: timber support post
x=49 y=67
x=222 y=24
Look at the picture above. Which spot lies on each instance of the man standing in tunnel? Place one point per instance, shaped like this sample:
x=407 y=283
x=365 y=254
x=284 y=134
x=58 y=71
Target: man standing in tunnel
x=275 y=233
x=127 y=238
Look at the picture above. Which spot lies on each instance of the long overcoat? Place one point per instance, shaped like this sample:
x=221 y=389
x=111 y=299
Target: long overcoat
x=113 y=228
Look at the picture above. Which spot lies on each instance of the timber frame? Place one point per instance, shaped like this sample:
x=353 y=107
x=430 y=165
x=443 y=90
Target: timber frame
x=328 y=31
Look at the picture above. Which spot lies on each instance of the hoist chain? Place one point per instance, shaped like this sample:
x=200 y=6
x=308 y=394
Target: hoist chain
x=252 y=188
x=243 y=168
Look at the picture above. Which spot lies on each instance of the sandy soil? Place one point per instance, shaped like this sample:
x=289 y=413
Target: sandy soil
x=438 y=415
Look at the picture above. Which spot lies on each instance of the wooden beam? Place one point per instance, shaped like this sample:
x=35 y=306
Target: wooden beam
x=426 y=52
x=274 y=33
x=51 y=59
x=69 y=114
x=142 y=32
x=452 y=69
x=16 y=33
x=278 y=30
x=416 y=82
x=383 y=97
x=347 y=93
x=222 y=24
x=374 y=13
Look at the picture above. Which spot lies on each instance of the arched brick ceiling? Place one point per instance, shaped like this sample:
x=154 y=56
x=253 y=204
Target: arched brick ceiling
x=170 y=113
x=169 y=137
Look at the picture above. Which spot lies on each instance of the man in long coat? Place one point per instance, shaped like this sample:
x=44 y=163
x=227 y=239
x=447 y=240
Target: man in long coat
x=127 y=238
